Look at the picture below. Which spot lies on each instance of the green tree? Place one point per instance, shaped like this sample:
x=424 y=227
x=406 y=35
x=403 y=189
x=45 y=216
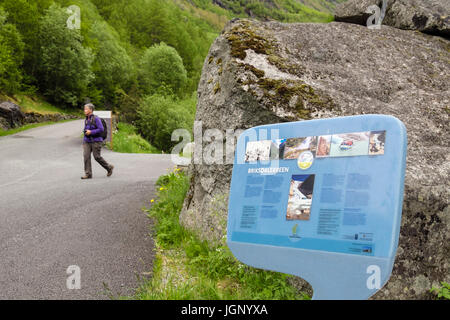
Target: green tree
x=161 y=67
x=160 y=115
x=11 y=55
x=63 y=64
x=113 y=67
x=25 y=16
x=144 y=23
x=128 y=103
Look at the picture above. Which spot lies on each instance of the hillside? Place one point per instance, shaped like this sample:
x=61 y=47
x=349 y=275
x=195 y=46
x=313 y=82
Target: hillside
x=322 y=5
x=141 y=58
x=280 y=10
x=288 y=6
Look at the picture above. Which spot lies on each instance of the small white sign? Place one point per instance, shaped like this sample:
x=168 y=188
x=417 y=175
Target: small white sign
x=103 y=114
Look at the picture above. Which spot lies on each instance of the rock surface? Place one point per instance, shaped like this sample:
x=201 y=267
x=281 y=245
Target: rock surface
x=4 y=124
x=259 y=73
x=33 y=117
x=11 y=115
x=429 y=16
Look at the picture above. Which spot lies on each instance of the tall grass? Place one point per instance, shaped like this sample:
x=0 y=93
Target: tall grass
x=126 y=140
x=189 y=268
x=39 y=105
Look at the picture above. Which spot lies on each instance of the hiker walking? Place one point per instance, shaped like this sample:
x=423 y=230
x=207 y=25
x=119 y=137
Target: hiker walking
x=92 y=143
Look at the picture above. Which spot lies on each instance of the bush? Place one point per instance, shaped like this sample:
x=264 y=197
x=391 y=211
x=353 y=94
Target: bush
x=126 y=140
x=162 y=68
x=159 y=116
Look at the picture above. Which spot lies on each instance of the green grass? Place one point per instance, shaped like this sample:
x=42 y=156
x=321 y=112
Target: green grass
x=39 y=105
x=29 y=126
x=126 y=140
x=281 y=10
x=189 y=268
x=321 y=5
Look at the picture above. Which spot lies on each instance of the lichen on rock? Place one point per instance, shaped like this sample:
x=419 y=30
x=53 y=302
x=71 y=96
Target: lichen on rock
x=275 y=81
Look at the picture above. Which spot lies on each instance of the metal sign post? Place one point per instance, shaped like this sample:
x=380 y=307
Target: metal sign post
x=321 y=200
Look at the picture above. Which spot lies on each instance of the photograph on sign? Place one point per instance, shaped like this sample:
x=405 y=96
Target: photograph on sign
x=376 y=142
x=300 y=197
x=295 y=146
x=261 y=151
x=323 y=148
x=350 y=144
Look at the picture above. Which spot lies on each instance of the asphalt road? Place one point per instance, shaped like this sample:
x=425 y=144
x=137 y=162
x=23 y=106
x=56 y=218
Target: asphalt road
x=50 y=219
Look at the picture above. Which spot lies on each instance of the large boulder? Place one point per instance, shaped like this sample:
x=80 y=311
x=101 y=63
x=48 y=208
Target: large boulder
x=10 y=115
x=259 y=73
x=429 y=16
x=4 y=125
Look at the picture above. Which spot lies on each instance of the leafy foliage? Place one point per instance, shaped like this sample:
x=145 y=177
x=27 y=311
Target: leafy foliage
x=64 y=65
x=11 y=55
x=25 y=16
x=160 y=115
x=112 y=66
x=162 y=69
x=443 y=292
x=127 y=140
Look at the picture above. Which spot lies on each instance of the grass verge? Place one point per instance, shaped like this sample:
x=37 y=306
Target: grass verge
x=127 y=140
x=188 y=268
x=39 y=105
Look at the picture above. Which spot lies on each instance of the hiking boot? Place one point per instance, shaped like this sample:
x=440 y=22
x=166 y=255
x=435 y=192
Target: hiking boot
x=86 y=177
x=110 y=171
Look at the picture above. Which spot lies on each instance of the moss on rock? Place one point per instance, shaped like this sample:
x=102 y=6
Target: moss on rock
x=293 y=95
x=216 y=88
x=257 y=72
x=283 y=91
x=245 y=36
x=283 y=65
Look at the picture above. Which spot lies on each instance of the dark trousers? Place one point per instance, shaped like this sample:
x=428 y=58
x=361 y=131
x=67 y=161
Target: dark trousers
x=95 y=148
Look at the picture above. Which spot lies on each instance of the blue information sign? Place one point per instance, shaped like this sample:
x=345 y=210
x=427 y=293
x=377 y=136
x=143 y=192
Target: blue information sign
x=321 y=200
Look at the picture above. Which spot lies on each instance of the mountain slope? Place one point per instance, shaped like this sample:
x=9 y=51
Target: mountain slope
x=281 y=10
x=322 y=5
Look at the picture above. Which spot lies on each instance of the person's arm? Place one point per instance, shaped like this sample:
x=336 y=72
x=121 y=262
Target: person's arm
x=99 y=126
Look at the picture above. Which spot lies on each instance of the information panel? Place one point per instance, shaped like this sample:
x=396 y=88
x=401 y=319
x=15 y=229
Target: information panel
x=322 y=200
